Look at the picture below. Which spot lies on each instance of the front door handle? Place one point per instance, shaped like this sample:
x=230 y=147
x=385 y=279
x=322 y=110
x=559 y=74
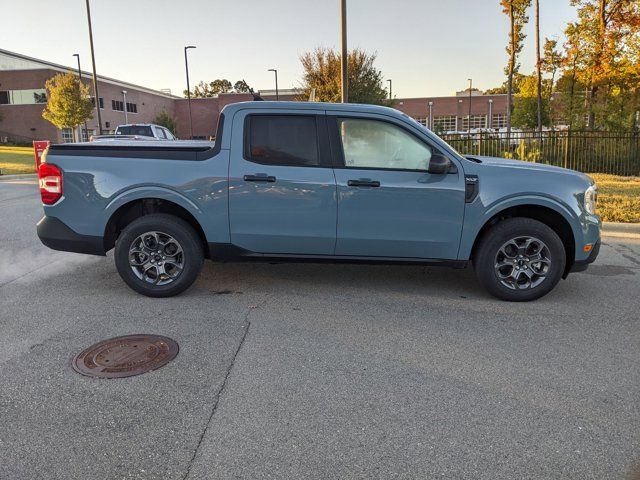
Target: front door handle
x=260 y=177
x=363 y=182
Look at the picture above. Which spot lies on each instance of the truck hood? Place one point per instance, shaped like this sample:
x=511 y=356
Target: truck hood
x=522 y=165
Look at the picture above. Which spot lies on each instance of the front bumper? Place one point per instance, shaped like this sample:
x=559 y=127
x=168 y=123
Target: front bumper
x=55 y=234
x=582 y=265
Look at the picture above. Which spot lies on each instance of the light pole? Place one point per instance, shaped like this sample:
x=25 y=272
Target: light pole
x=490 y=121
x=93 y=63
x=186 y=67
x=390 y=94
x=124 y=104
x=430 y=116
x=77 y=55
x=470 y=87
x=276 y=72
x=343 y=56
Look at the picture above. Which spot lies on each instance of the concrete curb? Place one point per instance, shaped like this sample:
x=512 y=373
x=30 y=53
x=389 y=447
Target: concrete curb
x=623 y=230
x=19 y=176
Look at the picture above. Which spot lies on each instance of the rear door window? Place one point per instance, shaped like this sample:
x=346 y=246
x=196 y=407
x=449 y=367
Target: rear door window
x=282 y=140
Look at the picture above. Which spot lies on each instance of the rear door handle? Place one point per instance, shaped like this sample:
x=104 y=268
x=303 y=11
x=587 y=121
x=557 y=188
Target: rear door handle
x=260 y=177
x=363 y=182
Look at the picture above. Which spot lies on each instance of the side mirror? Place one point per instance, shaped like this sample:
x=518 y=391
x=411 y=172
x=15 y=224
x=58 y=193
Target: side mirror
x=439 y=164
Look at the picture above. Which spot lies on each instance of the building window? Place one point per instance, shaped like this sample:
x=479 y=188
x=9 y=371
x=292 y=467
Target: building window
x=67 y=135
x=499 y=120
x=86 y=134
x=132 y=107
x=477 y=121
x=117 y=105
x=423 y=121
x=100 y=101
x=23 y=97
x=444 y=123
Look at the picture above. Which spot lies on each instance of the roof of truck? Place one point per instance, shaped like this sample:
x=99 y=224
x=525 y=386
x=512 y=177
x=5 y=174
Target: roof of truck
x=350 y=107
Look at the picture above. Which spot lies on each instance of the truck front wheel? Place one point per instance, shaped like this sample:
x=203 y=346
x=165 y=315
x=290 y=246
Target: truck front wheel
x=159 y=255
x=519 y=259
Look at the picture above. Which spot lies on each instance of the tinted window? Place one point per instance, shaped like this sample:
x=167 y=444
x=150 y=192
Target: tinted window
x=135 y=130
x=282 y=140
x=376 y=144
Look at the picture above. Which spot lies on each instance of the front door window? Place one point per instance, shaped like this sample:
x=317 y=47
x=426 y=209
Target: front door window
x=381 y=145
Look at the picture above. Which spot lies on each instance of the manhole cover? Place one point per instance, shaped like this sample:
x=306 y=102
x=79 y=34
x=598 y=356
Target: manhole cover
x=125 y=356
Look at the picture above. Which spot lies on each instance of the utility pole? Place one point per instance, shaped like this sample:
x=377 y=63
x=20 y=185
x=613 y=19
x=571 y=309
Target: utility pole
x=276 y=72
x=186 y=67
x=77 y=55
x=93 y=62
x=390 y=91
x=344 y=78
x=470 y=90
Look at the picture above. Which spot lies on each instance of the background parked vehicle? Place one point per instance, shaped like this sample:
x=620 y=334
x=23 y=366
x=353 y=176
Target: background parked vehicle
x=137 y=131
x=318 y=182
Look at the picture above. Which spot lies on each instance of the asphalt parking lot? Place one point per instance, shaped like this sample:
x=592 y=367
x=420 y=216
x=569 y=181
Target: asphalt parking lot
x=314 y=371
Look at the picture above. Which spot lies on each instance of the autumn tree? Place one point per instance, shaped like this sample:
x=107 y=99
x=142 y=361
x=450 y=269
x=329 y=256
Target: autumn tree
x=602 y=40
x=69 y=104
x=166 y=120
x=322 y=75
x=538 y=66
x=516 y=10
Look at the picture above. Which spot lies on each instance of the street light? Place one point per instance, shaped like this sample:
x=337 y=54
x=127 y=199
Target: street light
x=276 y=72
x=77 y=55
x=343 y=55
x=491 y=113
x=470 y=88
x=93 y=62
x=124 y=103
x=390 y=94
x=186 y=67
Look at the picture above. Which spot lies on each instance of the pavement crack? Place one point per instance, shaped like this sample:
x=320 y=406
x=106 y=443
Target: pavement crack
x=216 y=400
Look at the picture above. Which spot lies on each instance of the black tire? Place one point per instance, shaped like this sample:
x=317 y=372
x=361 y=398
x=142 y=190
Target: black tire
x=488 y=255
x=191 y=258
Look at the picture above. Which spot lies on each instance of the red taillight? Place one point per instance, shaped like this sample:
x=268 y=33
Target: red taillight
x=50 y=181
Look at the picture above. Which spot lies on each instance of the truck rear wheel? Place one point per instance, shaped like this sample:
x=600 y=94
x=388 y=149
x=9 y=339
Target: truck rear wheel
x=520 y=259
x=159 y=255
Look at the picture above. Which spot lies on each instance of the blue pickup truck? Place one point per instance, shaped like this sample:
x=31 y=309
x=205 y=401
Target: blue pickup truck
x=317 y=182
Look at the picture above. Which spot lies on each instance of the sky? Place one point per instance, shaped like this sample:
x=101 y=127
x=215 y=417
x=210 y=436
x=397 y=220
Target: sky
x=427 y=47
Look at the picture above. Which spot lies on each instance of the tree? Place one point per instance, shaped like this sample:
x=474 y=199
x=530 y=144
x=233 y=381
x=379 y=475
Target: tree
x=69 y=104
x=242 y=87
x=526 y=109
x=211 y=89
x=538 y=66
x=518 y=78
x=164 y=119
x=516 y=11
x=604 y=34
x=322 y=75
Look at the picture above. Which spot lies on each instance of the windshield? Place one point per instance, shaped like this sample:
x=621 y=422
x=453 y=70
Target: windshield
x=139 y=130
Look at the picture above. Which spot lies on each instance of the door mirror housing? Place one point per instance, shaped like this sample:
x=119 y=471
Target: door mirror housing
x=439 y=164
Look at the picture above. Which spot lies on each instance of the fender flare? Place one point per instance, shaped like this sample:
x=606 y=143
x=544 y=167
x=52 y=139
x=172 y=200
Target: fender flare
x=490 y=212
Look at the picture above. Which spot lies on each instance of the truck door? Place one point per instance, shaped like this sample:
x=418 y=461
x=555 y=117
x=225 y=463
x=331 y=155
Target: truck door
x=282 y=189
x=388 y=204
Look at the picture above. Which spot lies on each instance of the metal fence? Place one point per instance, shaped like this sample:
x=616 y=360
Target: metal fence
x=586 y=151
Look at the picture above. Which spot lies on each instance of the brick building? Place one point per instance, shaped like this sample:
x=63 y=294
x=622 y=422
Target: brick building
x=22 y=99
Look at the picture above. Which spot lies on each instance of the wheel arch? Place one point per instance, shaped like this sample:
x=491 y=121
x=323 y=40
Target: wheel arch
x=133 y=209
x=551 y=217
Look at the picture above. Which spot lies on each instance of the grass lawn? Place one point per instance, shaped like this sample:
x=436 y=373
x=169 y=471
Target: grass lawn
x=618 y=198
x=17 y=160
